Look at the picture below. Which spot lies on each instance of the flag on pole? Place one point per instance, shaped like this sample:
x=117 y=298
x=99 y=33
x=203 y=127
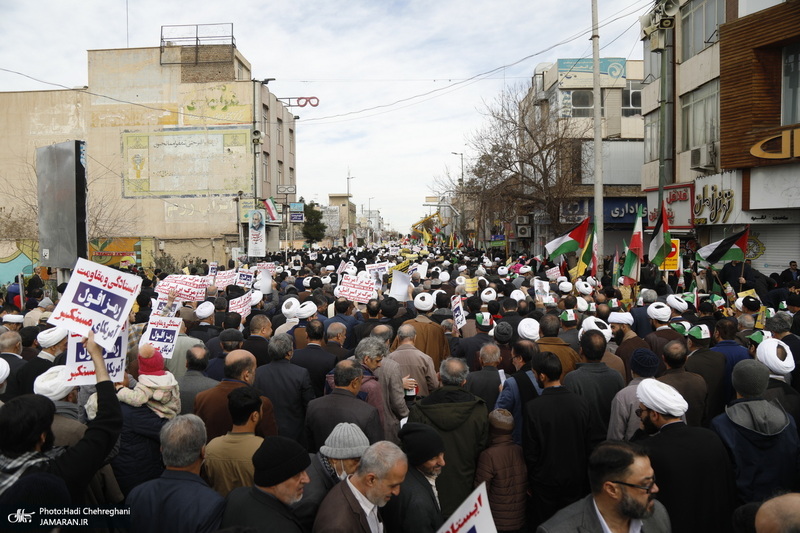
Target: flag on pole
x=634 y=253
x=733 y=248
x=460 y=242
x=426 y=237
x=272 y=211
x=352 y=241
x=661 y=243
x=585 y=258
x=572 y=241
x=615 y=268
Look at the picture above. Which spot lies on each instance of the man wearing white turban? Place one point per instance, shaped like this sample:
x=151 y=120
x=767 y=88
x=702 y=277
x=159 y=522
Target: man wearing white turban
x=53 y=342
x=777 y=356
x=690 y=463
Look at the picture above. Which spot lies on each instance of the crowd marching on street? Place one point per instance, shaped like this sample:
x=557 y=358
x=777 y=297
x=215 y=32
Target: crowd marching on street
x=584 y=403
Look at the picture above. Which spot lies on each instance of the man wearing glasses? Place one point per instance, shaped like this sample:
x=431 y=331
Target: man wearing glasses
x=694 y=473
x=623 y=488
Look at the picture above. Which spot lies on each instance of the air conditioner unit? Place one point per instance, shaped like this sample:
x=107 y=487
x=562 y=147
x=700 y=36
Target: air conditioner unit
x=703 y=158
x=524 y=232
x=522 y=220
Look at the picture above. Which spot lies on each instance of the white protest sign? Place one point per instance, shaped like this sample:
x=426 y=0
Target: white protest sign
x=267 y=267
x=97 y=298
x=212 y=268
x=541 y=287
x=394 y=250
x=355 y=289
x=241 y=305
x=161 y=333
x=376 y=273
x=244 y=279
x=399 y=288
x=312 y=256
x=458 y=311
x=472 y=516
x=160 y=304
x=553 y=273
x=224 y=278
x=341 y=267
x=81 y=367
x=187 y=288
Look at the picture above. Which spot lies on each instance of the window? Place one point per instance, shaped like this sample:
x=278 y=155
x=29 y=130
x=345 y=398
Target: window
x=279 y=136
x=280 y=172
x=265 y=169
x=700 y=116
x=652 y=63
x=291 y=175
x=265 y=119
x=652 y=146
x=632 y=99
x=790 y=103
x=699 y=22
x=291 y=141
x=582 y=103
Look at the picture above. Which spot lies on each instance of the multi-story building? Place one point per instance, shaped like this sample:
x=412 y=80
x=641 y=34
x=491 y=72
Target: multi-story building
x=565 y=88
x=732 y=95
x=346 y=219
x=181 y=142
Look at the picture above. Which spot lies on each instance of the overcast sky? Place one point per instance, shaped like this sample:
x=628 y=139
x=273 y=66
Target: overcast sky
x=352 y=55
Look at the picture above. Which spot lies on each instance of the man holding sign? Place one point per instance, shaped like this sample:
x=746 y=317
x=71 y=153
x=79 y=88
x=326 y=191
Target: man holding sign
x=25 y=435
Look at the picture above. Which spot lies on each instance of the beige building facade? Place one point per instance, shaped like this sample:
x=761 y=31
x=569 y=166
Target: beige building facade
x=180 y=140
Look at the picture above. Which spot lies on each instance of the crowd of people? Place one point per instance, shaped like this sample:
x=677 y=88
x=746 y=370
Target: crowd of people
x=583 y=405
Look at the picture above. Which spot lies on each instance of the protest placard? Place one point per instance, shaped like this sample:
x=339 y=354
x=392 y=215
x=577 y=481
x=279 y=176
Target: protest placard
x=244 y=278
x=376 y=273
x=212 y=268
x=472 y=516
x=241 y=305
x=224 y=278
x=552 y=273
x=267 y=267
x=541 y=287
x=458 y=311
x=399 y=286
x=187 y=288
x=341 y=267
x=79 y=363
x=97 y=298
x=162 y=332
x=471 y=285
x=356 y=289
x=394 y=250
x=160 y=304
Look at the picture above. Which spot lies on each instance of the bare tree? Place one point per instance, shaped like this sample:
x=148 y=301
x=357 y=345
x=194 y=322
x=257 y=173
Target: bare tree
x=106 y=217
x=530 y=158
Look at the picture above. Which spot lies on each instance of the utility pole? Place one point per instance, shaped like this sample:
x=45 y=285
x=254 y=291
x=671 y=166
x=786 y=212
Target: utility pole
x=598 y=140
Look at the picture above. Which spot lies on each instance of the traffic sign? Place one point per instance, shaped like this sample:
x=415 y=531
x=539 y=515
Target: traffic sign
x=297 y=217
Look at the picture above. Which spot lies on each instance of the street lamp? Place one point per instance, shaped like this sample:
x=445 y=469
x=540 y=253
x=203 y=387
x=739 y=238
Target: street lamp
x=369 y=216
x=349 y=177
x=461 y=196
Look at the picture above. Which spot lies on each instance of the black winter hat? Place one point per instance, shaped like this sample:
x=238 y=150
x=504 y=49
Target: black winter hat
x=278 y=459
x=420 y=442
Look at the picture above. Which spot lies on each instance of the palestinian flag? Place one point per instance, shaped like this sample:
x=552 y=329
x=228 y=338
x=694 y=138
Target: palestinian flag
x=661 y=244
x=572 y=241
x=587 y=258
x=731 y=248
x=634 y=253
x=272 y=211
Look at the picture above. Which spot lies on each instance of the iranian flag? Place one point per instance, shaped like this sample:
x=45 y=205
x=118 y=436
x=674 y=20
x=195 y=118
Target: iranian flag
x=588 y=257
x=272 y=211
x=572 y=241
x=661 y=244
x=732 y=248
x=634 y=253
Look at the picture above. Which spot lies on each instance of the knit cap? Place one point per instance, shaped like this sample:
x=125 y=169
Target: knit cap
x=750 y=378
x=644 y=362
x=420 y=442
x=346 y=441
x=151 y=362
x=278 y=459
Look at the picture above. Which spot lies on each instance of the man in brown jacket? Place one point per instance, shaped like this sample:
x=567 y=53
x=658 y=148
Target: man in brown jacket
x=430 y=336
x=550 y=342
x=212 y=405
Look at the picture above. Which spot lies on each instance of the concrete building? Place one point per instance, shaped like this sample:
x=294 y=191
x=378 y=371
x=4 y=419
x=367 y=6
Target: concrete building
x=565 y=88
x=177 y=137
x=732 y=109
x=347 y=216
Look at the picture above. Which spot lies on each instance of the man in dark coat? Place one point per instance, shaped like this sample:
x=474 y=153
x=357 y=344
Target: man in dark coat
x=170 y=503
x=485 y=383
x=461 y=419
x=288 y=386
x=692 y=467
x=279 y=475
x=314 y=358
x=258 y=341
x=469 y=348
x=416 y=508
x=11 y=348
x=193 y=382
x=692 y=387
x=342 y=405
x=711 y=367
x=556 y=440
x=335 y=336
